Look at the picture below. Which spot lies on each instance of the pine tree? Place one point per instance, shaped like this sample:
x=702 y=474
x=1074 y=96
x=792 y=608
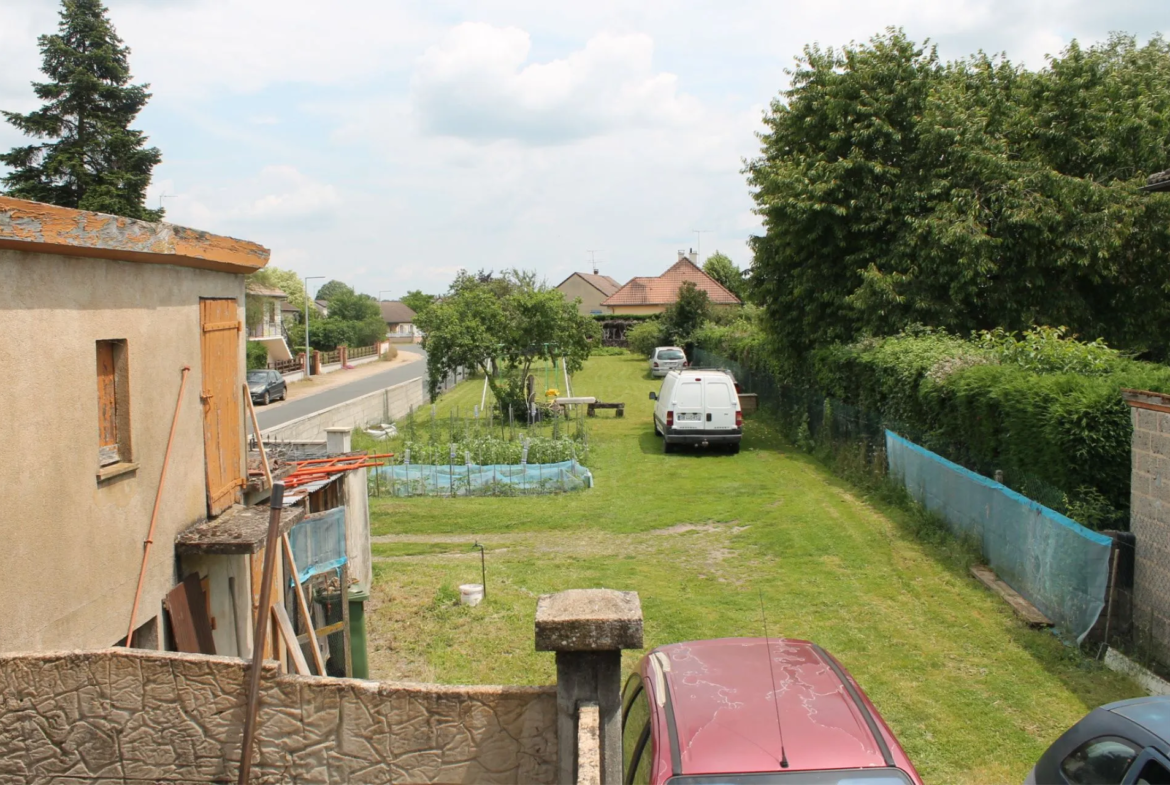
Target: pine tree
x=91 y=159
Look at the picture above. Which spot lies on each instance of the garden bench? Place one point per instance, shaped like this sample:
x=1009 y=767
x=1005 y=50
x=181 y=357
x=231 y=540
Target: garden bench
x=620 y=408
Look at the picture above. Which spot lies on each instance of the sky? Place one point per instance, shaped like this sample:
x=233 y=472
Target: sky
x=389 y=144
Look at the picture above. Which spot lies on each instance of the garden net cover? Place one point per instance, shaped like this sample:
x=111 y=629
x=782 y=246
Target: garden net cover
x=476 y=480
x=1058 y=565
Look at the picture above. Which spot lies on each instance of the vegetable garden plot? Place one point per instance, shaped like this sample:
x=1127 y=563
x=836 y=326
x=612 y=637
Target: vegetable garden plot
x=525 y=479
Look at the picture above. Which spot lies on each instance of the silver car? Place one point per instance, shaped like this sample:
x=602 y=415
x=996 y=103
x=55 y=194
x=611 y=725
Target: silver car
x=665 y=359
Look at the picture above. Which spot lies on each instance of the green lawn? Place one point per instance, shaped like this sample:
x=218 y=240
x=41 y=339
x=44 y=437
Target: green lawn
x=974 y=696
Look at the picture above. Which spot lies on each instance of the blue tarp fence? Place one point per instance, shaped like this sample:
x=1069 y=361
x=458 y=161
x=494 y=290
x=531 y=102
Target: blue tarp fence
x=1055 y=563
x=318 y=543
x=488 y=480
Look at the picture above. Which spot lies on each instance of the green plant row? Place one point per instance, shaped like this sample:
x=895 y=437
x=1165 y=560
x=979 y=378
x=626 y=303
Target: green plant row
x=491 y=450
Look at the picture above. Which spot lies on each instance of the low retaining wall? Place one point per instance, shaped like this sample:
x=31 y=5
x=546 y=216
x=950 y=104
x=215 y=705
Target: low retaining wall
x=124 y=716
x=377 y=407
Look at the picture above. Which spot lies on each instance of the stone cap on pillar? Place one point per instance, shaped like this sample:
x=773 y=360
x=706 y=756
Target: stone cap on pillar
x=589 y=620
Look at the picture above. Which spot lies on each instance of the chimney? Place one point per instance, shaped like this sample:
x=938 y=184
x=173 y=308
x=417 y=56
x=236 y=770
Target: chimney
x=682 y=255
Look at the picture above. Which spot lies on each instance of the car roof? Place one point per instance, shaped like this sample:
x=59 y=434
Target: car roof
x=1151 y=713
x=721 y=697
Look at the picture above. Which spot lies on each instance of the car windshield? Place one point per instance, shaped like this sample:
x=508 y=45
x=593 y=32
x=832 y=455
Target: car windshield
x=837 y=777
x=670 y=354
x=257 y=376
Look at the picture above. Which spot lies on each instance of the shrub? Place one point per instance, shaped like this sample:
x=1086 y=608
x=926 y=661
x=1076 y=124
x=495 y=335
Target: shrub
x=390 y=353
x=644 y=338
x=257 y=356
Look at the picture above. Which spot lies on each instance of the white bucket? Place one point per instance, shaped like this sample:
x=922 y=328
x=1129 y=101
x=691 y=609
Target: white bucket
x=471 y=593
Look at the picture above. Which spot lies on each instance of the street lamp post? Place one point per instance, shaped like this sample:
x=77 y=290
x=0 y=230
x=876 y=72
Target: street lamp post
x=308 y=352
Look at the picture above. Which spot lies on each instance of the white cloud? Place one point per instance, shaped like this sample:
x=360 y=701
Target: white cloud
x=276 y=194
x=477 y=84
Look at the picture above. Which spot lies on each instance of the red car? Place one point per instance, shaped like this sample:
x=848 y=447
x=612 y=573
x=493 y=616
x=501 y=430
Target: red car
x=705 y=712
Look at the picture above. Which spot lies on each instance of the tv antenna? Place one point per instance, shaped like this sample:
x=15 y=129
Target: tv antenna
x=772 y=673
x=592 y=257
x=699 y=247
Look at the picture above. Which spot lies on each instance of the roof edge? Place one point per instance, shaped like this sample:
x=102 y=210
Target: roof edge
x=46 y=228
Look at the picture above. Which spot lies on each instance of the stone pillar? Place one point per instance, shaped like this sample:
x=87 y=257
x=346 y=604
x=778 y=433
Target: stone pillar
x=588 y=628
x=343 y=351
x=316 y=363
x=1149 y=513
x=338 y=441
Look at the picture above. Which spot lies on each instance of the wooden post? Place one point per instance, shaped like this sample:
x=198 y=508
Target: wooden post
x=284 y=625
x=256 y=432
x=345 y=618
x=303 y=606
x=276 y=503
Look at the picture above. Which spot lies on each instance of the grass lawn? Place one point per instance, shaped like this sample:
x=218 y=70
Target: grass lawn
x=973 y=695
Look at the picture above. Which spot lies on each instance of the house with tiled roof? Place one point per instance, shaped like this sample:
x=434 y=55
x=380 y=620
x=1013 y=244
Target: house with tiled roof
x=590 y=289
x=650 y=295
x=399 y=318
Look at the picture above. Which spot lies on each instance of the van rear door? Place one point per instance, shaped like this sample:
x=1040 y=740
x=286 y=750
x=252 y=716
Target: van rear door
x=721 y=403
x=688 y=404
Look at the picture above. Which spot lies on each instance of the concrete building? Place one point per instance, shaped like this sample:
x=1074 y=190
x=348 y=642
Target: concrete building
x=651 y=295
x=591 y=289
x=265 y=320
x=100 y=317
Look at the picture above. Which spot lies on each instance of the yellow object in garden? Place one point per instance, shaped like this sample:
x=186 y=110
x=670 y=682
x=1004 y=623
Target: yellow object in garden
x=551 y=392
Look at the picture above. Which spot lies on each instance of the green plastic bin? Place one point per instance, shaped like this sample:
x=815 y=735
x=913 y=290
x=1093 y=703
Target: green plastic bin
x=357 y=631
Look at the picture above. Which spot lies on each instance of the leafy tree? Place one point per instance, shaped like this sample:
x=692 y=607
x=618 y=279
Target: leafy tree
x=898 y=190
x=473 y=326
x=347 y=306
x=91 y=159
x=720 y=267
x=331 y=289
x=286 y=281
x=686 y=315
x=417 y=301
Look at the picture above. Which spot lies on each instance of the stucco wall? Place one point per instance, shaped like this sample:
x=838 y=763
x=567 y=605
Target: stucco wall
x=634 y=310
x=72 y=543
x=117 y=716
x=377 y=407
x=590 y=297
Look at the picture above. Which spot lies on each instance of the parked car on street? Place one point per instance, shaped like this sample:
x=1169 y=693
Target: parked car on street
x=1122 y=743
x=754 y=711
x=266 y=386
x=698 y=408
x=665 y=359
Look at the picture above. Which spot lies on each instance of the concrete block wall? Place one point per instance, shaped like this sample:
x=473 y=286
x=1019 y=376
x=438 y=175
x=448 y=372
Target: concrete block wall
x=377 y=407
x=1150 y=521
x=125 y=716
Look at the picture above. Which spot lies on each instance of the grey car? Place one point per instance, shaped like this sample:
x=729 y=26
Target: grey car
x=665 y=359
x=266 y=386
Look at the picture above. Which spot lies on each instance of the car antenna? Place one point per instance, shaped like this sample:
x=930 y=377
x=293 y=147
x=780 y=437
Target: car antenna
x=772 y=673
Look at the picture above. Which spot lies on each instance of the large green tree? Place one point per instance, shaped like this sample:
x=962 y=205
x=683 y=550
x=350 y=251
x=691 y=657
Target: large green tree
x=417 y=301
x=286 y=280
x=720 y=267
x=331 y=289
x=500 y=324
x=90 y=157
x=896 y=189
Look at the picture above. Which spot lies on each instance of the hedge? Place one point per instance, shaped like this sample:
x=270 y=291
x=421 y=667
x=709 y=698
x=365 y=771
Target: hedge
x=1069 y=430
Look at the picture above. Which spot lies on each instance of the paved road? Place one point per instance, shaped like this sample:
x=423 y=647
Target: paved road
x=342 y=393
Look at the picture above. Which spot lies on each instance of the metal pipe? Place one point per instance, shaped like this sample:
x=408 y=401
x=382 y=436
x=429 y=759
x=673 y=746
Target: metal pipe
x=157 y=503
x=260 y=635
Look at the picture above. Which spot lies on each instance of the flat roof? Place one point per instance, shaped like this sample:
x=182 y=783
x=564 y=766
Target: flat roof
x=239 y=530
x=47 y=228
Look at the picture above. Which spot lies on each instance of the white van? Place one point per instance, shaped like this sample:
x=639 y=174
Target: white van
x=698 y=407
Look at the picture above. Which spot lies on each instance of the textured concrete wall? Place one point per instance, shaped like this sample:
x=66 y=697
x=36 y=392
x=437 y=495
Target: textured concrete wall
x=117 y=716
x=73 y=542
x=377 y=407
x=1150 y=524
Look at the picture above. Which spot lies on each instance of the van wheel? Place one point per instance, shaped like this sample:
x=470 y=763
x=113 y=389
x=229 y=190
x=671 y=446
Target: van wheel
x=667 y=447
x=734 y=449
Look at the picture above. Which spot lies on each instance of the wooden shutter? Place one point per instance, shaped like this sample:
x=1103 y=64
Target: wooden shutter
x=222 y=404
x=107 y=404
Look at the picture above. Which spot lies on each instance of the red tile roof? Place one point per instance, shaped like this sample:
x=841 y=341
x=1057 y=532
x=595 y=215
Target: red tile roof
x=395 y=312
x=663 y=290
x=602 y=283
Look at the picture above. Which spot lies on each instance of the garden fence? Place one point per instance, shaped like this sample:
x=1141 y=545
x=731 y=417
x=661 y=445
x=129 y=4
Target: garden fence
x=477 y=480
x=1022 y=526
